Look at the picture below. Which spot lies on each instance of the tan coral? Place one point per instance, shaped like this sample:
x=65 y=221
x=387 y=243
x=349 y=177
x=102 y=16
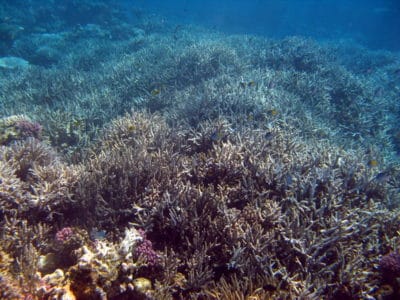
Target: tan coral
x=142 y=285
x=96 y=270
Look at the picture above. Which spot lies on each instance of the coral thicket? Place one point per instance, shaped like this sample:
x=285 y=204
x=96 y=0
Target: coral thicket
x=141 y=159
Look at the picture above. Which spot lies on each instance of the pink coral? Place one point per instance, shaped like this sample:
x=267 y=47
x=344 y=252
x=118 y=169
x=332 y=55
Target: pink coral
x=64 y=234
x=390 y=265
x=29 y=129
x=145 y=250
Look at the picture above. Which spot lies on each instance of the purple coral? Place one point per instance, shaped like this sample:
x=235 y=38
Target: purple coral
x=64 y=234
x=145 y=250
x=29 y=129
x=389 y=266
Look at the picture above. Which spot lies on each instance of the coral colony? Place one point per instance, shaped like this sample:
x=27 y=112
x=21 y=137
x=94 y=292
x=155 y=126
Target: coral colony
x=64 y=234
x=27 y=128
x=144 y=249
x=147 y=160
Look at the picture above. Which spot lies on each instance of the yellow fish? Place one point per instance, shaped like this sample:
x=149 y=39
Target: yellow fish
x=373 y=163
x=273 y=112
x=251 y=83
x=131 y=127
x=155 y=92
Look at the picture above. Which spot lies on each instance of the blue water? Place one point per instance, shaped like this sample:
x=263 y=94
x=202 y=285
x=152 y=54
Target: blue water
x=373 y=23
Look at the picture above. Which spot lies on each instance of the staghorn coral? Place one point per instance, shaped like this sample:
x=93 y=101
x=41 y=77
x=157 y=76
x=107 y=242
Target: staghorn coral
x=234 y=199
x=240 y=289
x=42 y=181
x=201 y=76
x=123 y=176
x=221 y=207
x=240 y=205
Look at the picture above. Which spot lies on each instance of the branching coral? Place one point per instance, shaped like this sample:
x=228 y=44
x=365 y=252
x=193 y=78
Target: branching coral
x=232 y=185
x=293 y=213
x=216 y=204
x=43 y=182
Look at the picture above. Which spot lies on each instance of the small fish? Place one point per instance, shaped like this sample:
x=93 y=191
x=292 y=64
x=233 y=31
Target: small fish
x=273 y=112
x=251 y=83
x=176 y=29
x=378 y=92
x=97 y=234
x=271 y=85
x=268 y=135
x=382 y=177
x=372 y=163
x=77 y=122
x=269 y=287
x=138 y=208
x=155 y=92
x=288 y=179
x=215 y=136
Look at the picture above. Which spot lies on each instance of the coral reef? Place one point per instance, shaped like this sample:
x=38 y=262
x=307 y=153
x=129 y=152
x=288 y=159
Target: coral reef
x=162 y=161
x=289 y=218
